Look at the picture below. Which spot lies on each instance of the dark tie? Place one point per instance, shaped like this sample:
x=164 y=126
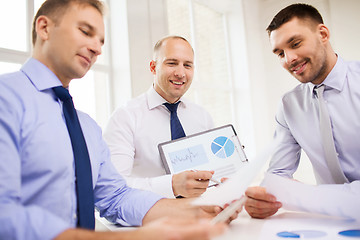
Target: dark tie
x=84 y=188
x=176 y=129
x=328 y=139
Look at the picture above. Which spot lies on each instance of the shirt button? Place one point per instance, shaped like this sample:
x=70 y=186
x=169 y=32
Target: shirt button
x=74 y=216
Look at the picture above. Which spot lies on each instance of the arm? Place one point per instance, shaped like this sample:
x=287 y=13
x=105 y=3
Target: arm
x=183 y=209
x=162 y=229
x=19 y=219
x=284 y=162
x=120 y=136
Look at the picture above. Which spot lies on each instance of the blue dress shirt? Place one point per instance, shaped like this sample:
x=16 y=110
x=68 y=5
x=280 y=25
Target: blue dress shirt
x=37 y=179
x=298 y=125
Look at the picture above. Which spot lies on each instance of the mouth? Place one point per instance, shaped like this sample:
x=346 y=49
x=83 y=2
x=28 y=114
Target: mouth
x=299 y=68
x=86 y=59
x=178 y=83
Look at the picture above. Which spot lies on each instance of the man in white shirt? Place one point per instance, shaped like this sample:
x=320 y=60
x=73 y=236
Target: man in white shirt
x=301 y=41
x=135 y=130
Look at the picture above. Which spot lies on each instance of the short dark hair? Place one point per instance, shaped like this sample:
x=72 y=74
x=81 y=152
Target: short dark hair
x=55 y=9
x=298 y=10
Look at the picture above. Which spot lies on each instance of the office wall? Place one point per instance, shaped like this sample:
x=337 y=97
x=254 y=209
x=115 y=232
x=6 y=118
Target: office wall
x=147 y=22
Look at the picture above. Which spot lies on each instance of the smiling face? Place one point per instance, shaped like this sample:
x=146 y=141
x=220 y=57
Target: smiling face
x=173 y=69
x=302 y=48
x=70 y=46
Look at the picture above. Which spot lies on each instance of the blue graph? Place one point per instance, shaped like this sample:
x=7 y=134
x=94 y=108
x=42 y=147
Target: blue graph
x=222 y=147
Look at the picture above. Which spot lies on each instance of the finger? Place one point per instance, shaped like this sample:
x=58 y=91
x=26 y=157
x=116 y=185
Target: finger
x=260 y=204
x=259 y=193
x=223 y=179
x=260 y=213
x=204 y=175
x=199 y=184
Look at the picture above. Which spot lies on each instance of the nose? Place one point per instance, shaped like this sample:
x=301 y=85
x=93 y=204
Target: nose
x=95 y=46
x=290 y=57
x=179 y=71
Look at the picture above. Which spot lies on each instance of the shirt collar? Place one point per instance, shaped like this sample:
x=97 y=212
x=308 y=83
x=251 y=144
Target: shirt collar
x=40 y=75
x=154 y=99
x=336 y=78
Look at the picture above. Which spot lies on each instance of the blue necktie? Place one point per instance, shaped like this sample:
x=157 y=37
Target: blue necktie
x=84 y=188
x=176 y=129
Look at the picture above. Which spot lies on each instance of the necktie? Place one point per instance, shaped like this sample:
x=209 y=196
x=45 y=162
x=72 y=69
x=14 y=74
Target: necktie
x=176 y=129
x=84 y=188
x=328 y=139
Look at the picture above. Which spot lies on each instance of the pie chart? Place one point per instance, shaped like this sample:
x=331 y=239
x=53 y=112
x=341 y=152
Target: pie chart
x=222 y=147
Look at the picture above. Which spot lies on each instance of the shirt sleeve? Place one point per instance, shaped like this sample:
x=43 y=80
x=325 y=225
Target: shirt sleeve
x=287 y=152
x=119 y=136
x=19 y=220
x=115 y=201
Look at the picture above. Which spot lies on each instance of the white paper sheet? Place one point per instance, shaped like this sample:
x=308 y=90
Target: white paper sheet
x=323 y=199
x=235 y=186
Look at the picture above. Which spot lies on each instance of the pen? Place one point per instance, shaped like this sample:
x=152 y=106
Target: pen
x=229 y=211
x=211 y=179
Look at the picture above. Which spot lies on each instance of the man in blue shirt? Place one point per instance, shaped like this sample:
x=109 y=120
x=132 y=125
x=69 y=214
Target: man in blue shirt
x=301 y=41
x=37 y=172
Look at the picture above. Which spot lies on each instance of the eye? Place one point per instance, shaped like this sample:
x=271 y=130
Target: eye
x=188 y=66
x=296 y=44
x=281 y=54
x=85 y=32
x=171 y=63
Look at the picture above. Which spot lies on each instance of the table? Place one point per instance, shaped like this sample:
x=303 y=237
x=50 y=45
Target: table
x=247 y=228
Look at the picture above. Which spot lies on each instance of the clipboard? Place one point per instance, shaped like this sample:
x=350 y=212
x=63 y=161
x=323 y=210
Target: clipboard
x=217 y=149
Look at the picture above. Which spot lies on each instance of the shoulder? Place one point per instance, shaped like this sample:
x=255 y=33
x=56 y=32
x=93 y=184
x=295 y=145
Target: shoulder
x=15 y=88
x=354 y=66
x=297 y=93
x=133 y=105
x=128 y=113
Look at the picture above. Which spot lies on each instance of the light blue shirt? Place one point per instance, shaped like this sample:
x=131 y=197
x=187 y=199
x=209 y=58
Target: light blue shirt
x=37 y=190
x=298 y=125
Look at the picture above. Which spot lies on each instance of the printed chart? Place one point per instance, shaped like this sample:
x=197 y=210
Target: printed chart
x=222 y=147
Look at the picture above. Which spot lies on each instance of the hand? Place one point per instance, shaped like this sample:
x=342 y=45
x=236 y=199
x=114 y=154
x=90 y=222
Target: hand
x=260 y=204
x=191 y=183
x=160 y=229
x=180 y=229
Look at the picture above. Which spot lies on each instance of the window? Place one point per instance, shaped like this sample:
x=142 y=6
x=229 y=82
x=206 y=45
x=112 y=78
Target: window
x=205 y=28
x=90 y=94
x=221 y=83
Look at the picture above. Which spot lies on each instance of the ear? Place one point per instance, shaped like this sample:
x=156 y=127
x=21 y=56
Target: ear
x=153 y=67
x=42 y=27
x=324 y=33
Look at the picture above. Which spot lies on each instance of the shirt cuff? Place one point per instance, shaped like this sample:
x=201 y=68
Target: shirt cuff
x=163 y=186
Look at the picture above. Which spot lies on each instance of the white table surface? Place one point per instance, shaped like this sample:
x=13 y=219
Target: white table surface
x=247 y=228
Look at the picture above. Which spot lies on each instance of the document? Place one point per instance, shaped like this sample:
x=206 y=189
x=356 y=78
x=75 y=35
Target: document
x=324 y=199
x=235 y=187
x=217 y=149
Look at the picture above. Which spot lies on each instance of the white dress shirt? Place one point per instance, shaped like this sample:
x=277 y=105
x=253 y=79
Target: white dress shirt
x=134 y=132
x=298 y=125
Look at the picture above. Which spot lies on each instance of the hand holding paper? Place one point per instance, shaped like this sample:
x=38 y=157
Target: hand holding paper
x=234 y=188
x=332 y=199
